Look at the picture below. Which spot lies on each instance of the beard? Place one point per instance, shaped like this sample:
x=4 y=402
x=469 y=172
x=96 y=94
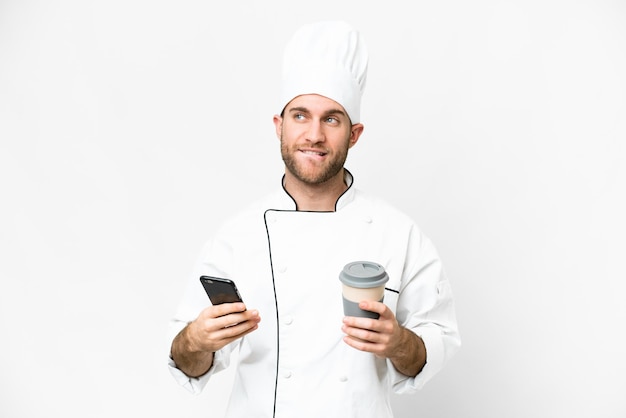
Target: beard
x=316 y=174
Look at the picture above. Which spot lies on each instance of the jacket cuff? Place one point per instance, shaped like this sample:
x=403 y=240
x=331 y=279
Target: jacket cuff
x=196 y=384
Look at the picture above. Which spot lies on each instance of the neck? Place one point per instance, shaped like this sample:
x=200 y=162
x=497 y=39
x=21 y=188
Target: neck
x=316 y=197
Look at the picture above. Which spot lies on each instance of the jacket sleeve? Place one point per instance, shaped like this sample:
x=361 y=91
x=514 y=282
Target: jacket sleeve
x=221 y=361
x=426 y=307
x=194 y=300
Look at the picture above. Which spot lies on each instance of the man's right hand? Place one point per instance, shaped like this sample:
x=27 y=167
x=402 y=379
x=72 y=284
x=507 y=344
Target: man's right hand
x=216 y=326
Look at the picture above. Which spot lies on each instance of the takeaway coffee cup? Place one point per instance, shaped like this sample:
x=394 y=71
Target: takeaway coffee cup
x=362 y=280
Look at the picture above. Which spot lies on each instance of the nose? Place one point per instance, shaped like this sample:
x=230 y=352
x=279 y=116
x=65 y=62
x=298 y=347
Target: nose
x=315 y=132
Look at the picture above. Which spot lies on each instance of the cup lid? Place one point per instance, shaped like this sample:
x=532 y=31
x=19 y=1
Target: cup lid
x=363 y=274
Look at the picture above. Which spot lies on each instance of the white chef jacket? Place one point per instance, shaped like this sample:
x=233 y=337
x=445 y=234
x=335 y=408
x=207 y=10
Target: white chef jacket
x=286 y=264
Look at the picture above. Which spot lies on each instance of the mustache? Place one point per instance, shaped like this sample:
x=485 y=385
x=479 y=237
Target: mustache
x=306 y=147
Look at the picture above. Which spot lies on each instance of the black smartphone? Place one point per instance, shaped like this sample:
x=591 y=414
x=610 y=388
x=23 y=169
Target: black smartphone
x=220 y=290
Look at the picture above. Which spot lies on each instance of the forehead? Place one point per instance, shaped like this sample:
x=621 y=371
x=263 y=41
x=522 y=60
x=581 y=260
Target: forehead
x=315 y=103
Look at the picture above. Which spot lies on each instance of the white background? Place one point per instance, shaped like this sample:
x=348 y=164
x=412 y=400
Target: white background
x=130 y=129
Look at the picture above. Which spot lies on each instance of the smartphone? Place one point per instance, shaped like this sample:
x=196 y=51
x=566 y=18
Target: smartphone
x=220 y=290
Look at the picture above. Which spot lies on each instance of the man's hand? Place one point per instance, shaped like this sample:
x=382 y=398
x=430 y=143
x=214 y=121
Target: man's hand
x=216 y=326
x=385 y=338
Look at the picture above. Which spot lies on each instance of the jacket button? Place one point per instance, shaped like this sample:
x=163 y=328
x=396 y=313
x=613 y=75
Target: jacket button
x=286 y=374
x=287 y=319
x=343 y=378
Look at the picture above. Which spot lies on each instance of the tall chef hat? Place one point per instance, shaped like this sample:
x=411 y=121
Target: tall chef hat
x=328 y=58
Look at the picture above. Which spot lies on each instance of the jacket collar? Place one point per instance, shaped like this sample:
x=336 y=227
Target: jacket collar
x=288 y=203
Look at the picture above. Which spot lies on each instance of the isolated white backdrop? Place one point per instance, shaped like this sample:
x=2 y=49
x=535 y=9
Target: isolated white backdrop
x=129 y=129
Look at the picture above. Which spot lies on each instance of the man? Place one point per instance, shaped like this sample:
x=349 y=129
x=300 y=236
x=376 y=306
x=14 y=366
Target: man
x=285 y=252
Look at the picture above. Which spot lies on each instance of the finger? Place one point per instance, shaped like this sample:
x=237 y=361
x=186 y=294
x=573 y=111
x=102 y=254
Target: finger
x=225 y=309
x=373 y=306
x=215 y=333
x=235 y=331
x=363 y=323
x=362 y=345
x=215 y=311
x=231 y=319
x=362 y=334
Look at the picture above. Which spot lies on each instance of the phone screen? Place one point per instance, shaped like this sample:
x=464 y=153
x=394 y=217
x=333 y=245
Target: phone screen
x=220 y=290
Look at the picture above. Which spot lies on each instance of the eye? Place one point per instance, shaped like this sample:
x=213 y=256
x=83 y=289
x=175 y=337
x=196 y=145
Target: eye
x=298 y=116
x=332 y=120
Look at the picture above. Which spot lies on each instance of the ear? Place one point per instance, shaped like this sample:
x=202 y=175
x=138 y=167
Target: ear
x=355 y=132
x=278 y=125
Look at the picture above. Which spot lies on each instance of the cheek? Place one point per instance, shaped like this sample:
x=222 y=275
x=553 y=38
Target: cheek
x=291 y=132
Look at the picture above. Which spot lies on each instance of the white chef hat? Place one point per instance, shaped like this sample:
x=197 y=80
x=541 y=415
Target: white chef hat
x=328 y=58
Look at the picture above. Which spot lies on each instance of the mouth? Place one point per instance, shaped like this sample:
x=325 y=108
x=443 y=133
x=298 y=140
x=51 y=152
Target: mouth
x=313 y=152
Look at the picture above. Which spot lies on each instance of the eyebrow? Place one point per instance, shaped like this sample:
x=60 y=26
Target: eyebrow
x=326 y=113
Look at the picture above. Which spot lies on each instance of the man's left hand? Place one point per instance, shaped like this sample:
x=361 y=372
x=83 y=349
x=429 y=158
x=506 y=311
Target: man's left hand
x=385 y=338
